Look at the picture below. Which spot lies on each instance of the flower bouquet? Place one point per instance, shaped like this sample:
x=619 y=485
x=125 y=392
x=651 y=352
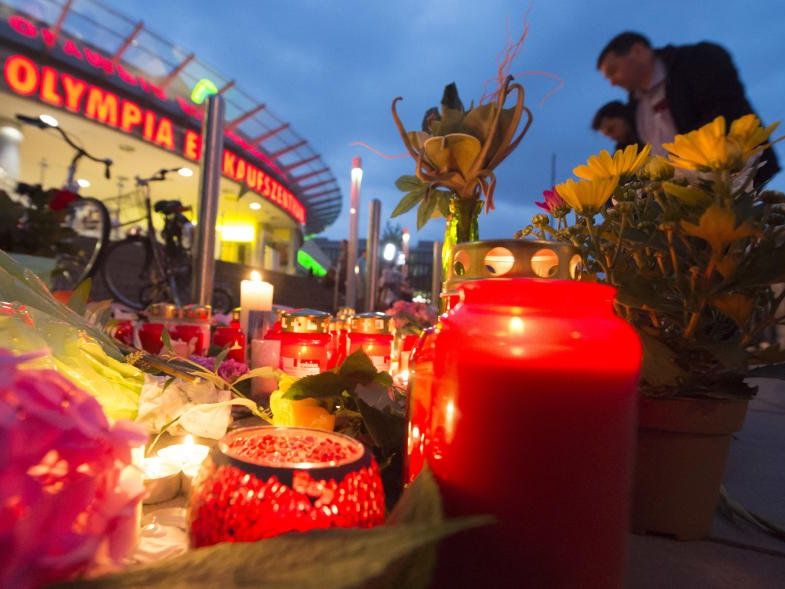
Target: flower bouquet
x=693 y=247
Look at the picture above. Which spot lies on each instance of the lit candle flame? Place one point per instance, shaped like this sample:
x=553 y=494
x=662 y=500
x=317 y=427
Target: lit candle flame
x=256 y=276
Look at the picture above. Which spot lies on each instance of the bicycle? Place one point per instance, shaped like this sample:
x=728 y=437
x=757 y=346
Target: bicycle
x=139 y=270
x=86 y=219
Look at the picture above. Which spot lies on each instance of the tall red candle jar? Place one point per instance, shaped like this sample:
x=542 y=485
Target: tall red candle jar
x=372 y=332
x=522 y=403
x=196 y=318
x=263 y=481
x=304 y=340
x=151 y=337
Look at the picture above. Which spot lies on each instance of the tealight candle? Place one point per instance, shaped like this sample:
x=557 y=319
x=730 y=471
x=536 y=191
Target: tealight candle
x=255 y=295
x=189 y=474
x=161 y=479
x=186 y=453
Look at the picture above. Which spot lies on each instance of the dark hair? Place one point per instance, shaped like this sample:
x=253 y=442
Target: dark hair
x=614 y=109
x=621 y=45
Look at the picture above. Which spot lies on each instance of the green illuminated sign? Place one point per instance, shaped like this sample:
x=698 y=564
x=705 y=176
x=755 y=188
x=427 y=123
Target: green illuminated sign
x=202 y=89
x=306 y=261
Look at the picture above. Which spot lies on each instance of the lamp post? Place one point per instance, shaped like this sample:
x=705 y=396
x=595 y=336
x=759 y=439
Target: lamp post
x=351 y=255
x=405 y=249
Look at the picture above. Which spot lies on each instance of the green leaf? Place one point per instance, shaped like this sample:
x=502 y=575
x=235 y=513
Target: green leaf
x=317 y=386
x=443 y=202
x=426 y=209
x=387 y=430
x=410 y=200
x=659 y=367
x=219 y=359
x=167 y=340
x=358 y=367
x=77 y=302
x=409 y=183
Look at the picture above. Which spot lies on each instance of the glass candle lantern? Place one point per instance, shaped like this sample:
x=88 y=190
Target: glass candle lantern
x=195 y=325
x=522 y=402
x=304 y=340
x=373 y=333
x=263 y=481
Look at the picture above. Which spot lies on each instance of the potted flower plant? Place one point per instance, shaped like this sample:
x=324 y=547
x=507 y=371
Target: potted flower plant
x=694 y=248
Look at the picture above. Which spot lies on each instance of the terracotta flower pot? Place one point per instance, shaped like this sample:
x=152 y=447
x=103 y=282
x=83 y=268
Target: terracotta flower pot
x=680 y=462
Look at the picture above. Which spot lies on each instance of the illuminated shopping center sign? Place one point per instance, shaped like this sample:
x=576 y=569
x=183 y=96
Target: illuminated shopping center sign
x=30 y=78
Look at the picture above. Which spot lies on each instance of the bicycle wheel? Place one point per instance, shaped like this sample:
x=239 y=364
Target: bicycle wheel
x=222 y=301
x=79 y=254
x=129 y=271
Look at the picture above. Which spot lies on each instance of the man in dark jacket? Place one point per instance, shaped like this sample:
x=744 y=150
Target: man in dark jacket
x=677 y=89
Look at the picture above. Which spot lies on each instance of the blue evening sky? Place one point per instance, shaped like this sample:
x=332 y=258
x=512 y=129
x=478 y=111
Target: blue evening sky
x=332 y=68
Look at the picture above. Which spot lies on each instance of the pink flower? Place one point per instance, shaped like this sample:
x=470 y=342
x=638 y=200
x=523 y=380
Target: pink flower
x=68 y=493
x=552 y=201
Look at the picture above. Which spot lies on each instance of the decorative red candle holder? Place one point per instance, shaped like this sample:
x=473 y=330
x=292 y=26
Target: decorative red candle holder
x=264 y=481
x=150 y=337
x=304 y=340
x=372 y=332
x=229 y=336
x=522 y=403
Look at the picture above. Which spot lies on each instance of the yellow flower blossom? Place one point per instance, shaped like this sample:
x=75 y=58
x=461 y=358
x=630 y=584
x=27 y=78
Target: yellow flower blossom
x=749 y=135
x=717 y=226
x=623 y=162
x=587 y=196
x=705 y=148
x=656 y=168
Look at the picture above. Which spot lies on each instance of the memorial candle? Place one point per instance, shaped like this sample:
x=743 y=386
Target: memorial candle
x=255 y=295
x=523 y=405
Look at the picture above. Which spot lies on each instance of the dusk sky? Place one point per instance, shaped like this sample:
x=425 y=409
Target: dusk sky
x=332 y=68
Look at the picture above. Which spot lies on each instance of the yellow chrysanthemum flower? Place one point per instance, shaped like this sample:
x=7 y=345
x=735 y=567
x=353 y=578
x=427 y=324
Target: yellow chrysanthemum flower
x=587 y=196
x=749 y=135
x=623 y=162
x=705 y=148
x=657 y=168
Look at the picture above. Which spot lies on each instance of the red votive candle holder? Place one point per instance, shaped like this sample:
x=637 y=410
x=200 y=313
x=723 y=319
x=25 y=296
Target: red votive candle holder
x=232 y=337
x=372 y=332
x=193 y=335
x=522 y=404
x=260 y=482
x=150 y=337
x=304 y=340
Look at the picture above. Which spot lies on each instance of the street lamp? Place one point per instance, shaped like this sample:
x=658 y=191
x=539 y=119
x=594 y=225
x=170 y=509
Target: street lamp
x=388 y=253
x=351 y=253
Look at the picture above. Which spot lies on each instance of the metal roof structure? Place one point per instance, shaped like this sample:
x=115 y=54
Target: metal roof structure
x=177 y=71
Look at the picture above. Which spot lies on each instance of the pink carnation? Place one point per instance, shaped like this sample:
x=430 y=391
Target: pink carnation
x=68 y=492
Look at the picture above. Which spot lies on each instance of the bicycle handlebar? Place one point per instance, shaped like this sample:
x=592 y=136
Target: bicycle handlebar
x=159 y=176
x=80 y=151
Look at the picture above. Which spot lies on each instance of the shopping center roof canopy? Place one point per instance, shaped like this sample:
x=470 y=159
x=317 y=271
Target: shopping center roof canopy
x=176 y=74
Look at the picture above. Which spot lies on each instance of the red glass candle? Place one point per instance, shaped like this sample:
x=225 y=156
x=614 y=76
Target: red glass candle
x=231 y=336
x=304 y=340
x=373 y=333
x=193 y=335
x=523 y=405
x=150 y=337
x=263 y=481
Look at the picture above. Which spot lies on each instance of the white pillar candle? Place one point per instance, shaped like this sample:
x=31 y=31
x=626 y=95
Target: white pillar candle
x=255 y=295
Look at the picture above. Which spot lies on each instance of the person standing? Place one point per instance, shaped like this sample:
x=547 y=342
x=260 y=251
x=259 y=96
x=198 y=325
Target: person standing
x=677 y=89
